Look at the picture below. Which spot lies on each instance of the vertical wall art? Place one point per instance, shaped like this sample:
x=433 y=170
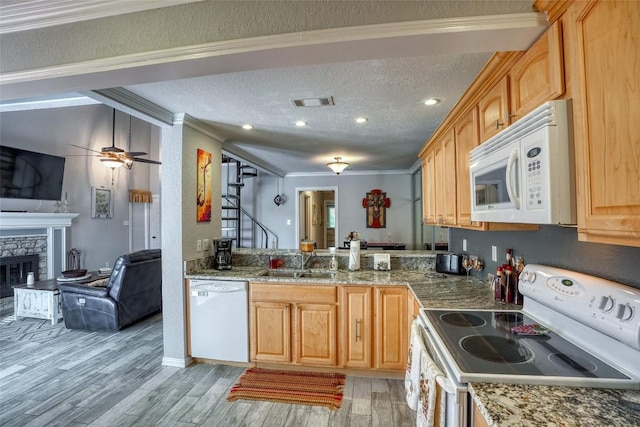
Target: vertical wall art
x=204 y=184
x=101 y=203
x=376 y=204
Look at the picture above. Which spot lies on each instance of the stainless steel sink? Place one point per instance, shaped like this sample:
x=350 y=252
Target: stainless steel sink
x=319 y=275
x=300 y=274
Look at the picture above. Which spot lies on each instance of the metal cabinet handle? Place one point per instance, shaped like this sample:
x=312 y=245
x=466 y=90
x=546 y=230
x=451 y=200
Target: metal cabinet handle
x=498 y=124
x=358 y=330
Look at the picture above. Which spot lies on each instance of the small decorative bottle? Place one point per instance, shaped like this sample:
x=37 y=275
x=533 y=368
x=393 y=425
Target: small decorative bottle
x=333 y=264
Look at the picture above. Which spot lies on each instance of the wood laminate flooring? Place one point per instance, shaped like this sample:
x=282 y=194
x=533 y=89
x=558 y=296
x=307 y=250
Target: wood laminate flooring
x=86 y=378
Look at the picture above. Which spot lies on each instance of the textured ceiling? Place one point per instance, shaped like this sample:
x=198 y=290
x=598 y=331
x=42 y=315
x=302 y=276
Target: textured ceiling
x=385 y=79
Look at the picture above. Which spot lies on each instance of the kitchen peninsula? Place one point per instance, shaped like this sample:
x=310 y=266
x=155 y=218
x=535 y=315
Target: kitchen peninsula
x=494 y=404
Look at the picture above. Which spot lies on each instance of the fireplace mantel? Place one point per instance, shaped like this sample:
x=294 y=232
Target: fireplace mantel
x=16 y=225
x=18 y=220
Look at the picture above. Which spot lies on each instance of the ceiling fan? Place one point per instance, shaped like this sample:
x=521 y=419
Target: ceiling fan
x=115 y=157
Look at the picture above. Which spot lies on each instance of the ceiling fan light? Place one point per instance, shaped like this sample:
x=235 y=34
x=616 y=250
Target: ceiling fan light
x=112 y=163
x=338 y=166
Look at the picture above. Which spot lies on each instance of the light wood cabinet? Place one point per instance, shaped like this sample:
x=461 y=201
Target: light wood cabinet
x=429 y=188
x=391 y=335
x=467 y=138
x=357 y=326
x=445 y=179
x=270 y=332
x=606 y=59
x=316 y=334
x=493 y=110
x=538 y=76
x=293 y=324
x=478 y=418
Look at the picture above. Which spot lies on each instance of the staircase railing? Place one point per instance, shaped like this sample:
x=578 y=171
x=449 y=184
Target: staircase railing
x=263 y=228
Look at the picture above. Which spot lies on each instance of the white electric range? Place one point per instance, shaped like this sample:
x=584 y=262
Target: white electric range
x=573 y=330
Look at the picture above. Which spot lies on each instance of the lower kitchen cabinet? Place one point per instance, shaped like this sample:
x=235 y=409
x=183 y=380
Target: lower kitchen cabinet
x=390 y=334
x=270 y=332
x=293 y=324
x=356 y=328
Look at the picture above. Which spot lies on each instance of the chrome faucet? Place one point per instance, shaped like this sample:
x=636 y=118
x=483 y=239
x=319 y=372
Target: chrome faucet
x=303 y=261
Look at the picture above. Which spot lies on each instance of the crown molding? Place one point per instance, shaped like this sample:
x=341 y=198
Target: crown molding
x=34 y=14
x=121 y=97
x=533 y=24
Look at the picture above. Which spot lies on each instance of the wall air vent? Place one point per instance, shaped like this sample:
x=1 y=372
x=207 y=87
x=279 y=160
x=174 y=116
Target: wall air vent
x=313 y=102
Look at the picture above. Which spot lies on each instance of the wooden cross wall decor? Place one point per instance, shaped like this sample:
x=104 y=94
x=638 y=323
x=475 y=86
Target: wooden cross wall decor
x=376 y=204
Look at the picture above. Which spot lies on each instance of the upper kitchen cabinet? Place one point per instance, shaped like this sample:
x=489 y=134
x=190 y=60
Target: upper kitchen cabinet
x=445 y=179
x=538 y=76
x=428 y=188
x=467 y=138
x=606 y=59
x=493 y=109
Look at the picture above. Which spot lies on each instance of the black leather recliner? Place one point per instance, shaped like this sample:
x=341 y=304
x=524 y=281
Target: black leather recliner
x=134 y=291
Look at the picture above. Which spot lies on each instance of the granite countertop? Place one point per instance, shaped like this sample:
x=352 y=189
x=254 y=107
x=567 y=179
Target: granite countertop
x=517 y=405
x=500 y=404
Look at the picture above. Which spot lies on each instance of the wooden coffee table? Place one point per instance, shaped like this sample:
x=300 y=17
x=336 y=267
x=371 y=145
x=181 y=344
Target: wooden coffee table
x=42 y=299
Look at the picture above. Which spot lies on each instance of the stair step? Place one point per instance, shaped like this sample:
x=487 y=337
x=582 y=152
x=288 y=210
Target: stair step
x=230 y=196
x=229 y=218
x=235 y=208
x=249 y=174
x=235 y=184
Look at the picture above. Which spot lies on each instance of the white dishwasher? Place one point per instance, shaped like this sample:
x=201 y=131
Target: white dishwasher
x=219 y=319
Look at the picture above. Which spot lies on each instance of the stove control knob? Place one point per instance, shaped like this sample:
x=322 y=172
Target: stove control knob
x=607 y=304
x=625 y=312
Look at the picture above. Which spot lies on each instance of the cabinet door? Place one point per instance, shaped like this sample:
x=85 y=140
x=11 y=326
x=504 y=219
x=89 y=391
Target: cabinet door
x=467 y=138
x=607 y=129
x=356 y=327
x=538 y=76
x=316 y=337
x=270 y=325
x=391 y=335
x=493 y=110
x=445 y=177
x=429 y=188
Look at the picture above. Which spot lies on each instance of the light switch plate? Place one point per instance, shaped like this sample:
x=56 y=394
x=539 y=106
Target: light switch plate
x=464 y=245
x=205 y=244
x=199 y=246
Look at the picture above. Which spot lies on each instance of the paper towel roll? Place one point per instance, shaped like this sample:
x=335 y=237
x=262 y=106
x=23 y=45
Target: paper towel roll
x=354 y=255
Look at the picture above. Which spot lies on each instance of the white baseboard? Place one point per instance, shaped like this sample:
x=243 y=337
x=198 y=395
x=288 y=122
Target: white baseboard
x=177 y=363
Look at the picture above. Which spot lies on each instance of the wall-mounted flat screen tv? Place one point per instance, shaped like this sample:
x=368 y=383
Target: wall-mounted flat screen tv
x=30 y=175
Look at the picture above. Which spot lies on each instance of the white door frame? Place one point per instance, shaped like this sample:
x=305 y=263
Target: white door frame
x=303 y=189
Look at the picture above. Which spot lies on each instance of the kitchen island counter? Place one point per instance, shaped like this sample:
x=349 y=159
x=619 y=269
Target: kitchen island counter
x=499 y=404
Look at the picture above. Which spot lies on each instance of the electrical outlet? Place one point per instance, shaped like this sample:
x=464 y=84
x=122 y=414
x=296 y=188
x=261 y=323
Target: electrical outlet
x=199 y=246
x=494 y=254
x=205 y=244
x=464 y=245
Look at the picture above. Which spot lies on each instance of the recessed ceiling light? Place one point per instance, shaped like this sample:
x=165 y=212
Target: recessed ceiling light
x=247 y=126
x=361 y=120
x=301 y=123
x=431 y=101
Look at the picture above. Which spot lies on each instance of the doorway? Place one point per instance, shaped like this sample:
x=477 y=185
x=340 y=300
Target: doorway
x=317 y=215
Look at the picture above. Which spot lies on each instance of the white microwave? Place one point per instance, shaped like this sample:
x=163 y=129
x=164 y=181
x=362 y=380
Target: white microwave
x=525 y=174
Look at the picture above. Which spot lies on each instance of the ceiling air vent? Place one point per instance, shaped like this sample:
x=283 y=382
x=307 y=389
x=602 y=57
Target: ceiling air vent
x=313 y=102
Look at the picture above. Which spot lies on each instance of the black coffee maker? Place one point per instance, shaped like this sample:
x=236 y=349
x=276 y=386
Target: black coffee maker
x=222 y=254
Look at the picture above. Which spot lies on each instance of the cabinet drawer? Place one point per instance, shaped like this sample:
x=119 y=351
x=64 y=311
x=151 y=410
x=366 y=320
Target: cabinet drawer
x=293 y=293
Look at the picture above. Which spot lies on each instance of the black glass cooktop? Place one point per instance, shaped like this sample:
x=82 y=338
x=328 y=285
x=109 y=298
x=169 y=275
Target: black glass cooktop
x=481 y=342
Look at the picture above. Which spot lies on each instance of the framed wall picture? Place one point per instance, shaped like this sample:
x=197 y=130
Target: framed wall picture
x=101 y=203
x=204 y=182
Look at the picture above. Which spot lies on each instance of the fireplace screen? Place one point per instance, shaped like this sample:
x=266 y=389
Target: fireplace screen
x=13 y=271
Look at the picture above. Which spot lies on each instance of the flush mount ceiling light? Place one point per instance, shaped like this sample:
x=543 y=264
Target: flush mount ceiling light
x=247 y=126
x=301 y=123
x=361 y=120
x=431 y=101
x=338 y=166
